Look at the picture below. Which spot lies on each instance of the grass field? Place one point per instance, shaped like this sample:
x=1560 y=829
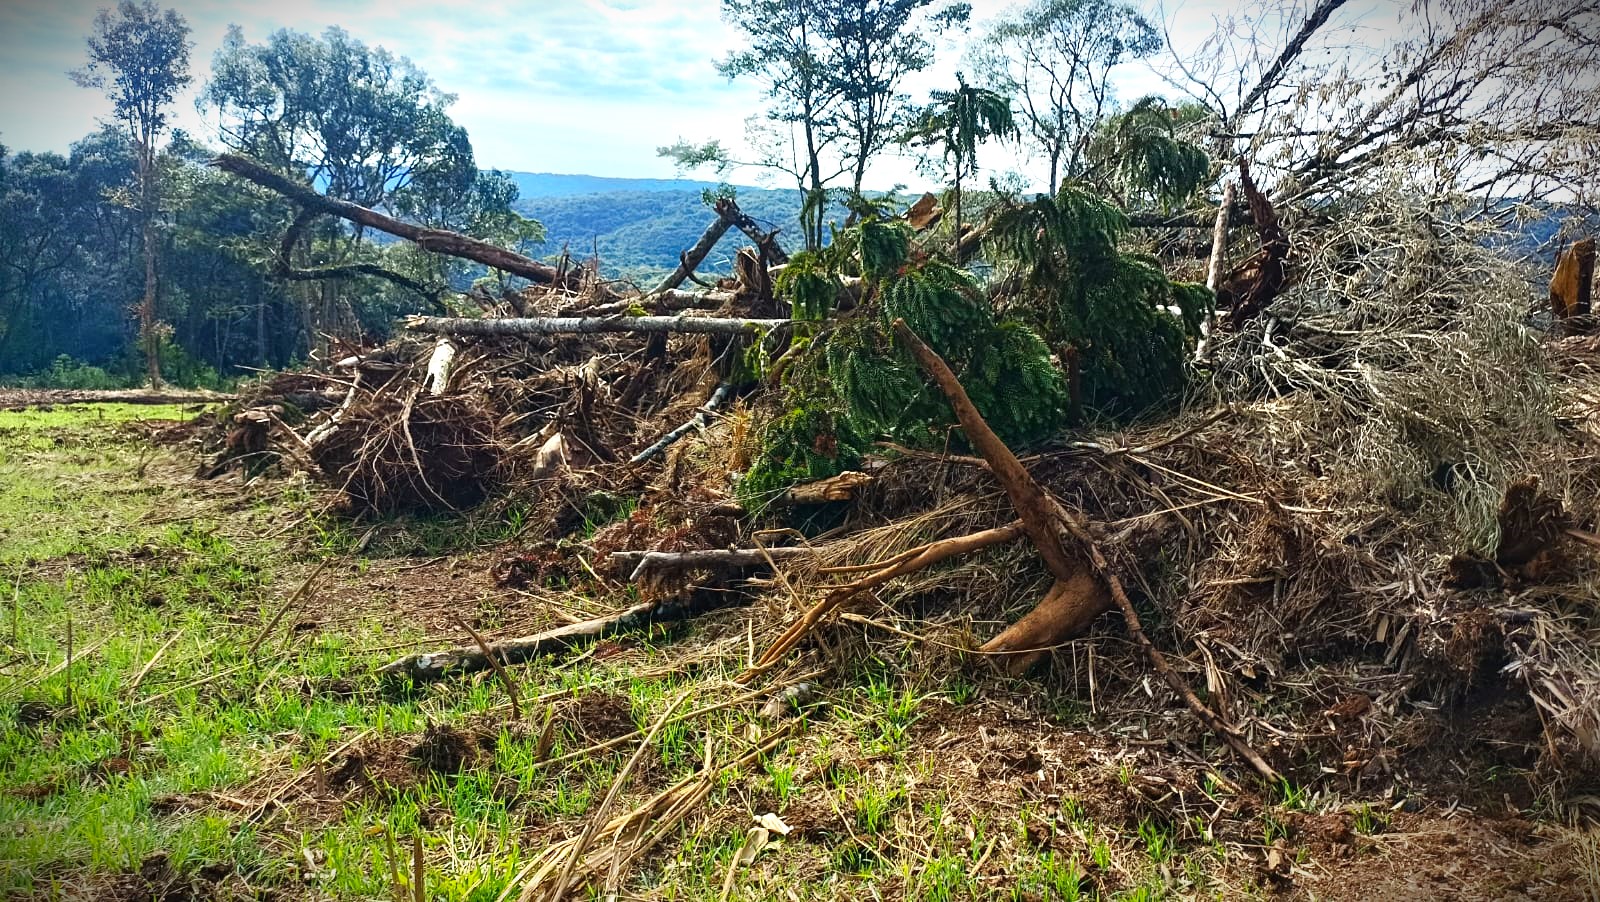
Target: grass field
x=189 y=708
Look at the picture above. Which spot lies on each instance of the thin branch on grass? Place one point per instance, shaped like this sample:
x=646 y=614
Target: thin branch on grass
x=494 y=661
x=289 y=602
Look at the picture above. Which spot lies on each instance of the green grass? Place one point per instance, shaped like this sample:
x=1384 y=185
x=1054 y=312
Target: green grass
x=105 y=534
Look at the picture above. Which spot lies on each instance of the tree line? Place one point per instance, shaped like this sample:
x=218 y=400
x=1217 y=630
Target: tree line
x=129 y=253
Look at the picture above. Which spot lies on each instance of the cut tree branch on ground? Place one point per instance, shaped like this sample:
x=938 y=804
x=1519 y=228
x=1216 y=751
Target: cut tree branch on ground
x=1065 y=611
x=472 y=658
x=588 y=325
x=438 y=241
x=908 y=561
x=698 y=421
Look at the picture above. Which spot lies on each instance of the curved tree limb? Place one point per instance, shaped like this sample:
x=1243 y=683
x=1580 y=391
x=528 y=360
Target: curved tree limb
x=1076 y=592
x=438 y=241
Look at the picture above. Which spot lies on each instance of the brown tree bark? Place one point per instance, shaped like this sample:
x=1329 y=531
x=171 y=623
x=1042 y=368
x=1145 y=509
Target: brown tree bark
x=1073 y=602
x=437 y=240
x=1085 y=585
x=147 y=306
x=1571 y=288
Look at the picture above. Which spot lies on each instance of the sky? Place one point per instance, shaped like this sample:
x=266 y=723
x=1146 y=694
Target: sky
x=572 y=86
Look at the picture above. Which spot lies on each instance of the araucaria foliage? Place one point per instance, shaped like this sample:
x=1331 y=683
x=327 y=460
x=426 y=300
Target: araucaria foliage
x=856 y=384
x=1128 y=326
x=1075 y=302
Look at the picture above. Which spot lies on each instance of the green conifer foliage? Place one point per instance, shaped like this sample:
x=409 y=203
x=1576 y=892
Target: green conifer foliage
x=1081 y=292
x=857 y=384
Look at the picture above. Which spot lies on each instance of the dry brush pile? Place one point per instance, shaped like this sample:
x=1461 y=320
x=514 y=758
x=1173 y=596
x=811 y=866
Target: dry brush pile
x=1368 y=527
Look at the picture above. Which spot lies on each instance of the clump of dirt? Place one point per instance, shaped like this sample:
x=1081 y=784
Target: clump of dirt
x=601 y=716
x=443 y=750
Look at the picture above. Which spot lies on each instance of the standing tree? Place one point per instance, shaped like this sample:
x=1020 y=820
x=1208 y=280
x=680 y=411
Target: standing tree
x=784 y=55
x=1055 y=58
x=957 y=122
x=833 y=70
x=139 y=55
x=871 y=47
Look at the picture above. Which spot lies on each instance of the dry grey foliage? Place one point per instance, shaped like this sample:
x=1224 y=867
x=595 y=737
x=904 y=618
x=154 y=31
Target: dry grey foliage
x=1492 y=98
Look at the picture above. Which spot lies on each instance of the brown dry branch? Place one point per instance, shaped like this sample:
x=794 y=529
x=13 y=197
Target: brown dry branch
x=494 y=662
x=908 y=561
x=1076 y=598
x=470 y=658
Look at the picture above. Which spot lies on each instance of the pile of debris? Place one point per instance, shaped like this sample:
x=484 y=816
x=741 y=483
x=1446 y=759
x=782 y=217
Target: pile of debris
x=1373 y=521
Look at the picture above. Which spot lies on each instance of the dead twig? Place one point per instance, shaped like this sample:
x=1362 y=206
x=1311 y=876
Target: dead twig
x=494 y=662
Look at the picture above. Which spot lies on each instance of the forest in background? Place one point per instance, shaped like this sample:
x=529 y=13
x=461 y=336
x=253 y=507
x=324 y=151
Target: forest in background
x=130 y=255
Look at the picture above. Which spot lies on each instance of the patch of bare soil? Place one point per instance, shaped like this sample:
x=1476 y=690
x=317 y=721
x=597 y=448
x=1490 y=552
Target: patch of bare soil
x=157 y=880
x=1426 y=857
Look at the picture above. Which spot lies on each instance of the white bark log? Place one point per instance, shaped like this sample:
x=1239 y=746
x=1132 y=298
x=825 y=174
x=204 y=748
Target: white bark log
x=588 y=325
x=444 y=354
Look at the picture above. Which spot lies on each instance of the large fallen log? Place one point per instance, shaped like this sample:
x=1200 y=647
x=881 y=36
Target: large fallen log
x=438 y=241
x=29 y=397
x=587 y=325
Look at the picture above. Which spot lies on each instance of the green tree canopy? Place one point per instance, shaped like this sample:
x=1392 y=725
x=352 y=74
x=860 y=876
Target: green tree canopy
x=1055 y=57
x=139 y=56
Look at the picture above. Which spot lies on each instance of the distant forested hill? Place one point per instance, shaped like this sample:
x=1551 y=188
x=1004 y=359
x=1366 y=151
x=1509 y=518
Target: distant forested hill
x=550 y=184
x=642 y=225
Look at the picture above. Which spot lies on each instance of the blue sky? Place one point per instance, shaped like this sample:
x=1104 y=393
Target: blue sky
x=581 y=86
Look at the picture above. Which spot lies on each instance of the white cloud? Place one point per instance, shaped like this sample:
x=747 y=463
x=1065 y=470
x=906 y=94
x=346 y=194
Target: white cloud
x=581 y=86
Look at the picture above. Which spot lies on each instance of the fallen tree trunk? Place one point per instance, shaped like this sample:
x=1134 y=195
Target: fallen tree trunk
x=438 y=241
x=636 y=563
x=29 y=397
x=471 y=658
x=587 y=325
x=693 y=257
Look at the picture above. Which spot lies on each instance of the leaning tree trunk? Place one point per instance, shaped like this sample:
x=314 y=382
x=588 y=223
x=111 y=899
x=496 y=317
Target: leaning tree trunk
x=451 y=244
